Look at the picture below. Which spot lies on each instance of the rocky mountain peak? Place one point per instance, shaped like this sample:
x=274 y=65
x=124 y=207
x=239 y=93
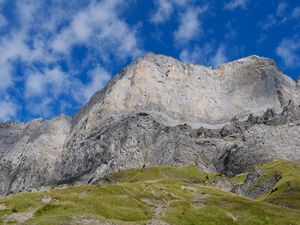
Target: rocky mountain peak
x=159 y=111
x=180 y=93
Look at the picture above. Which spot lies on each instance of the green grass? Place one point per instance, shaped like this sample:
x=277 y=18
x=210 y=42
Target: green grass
x=240 y=179
x=287 y=190
x=225 y=208
x=189 y=173
x=180 y=192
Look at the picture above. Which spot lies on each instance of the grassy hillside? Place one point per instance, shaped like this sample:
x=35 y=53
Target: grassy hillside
x=286 y=192
x=160 y=195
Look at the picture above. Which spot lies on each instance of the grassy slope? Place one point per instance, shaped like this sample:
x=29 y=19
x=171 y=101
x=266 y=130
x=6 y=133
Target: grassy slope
x=174 y=195
x=287 y=190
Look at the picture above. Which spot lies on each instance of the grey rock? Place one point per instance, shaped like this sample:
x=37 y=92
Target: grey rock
x=159 y=111
x=253 y=188
x=18 y=218
x=46 y=199
x=28 y=152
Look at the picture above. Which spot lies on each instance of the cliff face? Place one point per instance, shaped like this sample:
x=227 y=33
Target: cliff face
x=28 y=152
x=159 y=111
x=183 y=93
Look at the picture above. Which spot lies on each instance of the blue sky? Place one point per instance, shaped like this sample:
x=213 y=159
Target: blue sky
x=55 y=54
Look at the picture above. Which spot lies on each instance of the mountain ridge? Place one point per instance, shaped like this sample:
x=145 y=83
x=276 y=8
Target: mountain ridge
x=155 y=59
x=159 y=111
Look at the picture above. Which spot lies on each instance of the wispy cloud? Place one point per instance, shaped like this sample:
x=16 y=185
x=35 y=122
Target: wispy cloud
x=296 y=13
x=281 y=15
x=231 y=31
x=8 y=110
x=165 y=8
x=98 y=78
x=205 y=55
x=187 y=15
x=189 y=25
x=44 y=90
x=51 y=82
x=43 y=36
x=270 y=21
x=3 y=21
x=289 y=52
x=219 y=57
x=235 y=4
x=99 y=23
x=281 y=9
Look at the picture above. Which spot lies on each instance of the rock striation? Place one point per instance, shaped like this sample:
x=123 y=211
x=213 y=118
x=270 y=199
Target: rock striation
x=28 y=152
x=159 y=111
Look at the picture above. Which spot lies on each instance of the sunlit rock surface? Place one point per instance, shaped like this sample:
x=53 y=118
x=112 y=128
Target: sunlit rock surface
x=159 y=111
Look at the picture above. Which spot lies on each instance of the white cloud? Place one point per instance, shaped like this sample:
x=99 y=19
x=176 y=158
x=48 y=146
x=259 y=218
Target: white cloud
x=165 y=8
x=26 y=10
x=197 y=55
x=10 y=48
x=270 y=21
x=42 y=107
x=219 y=57
x=34 y=85
x=14 y=44
x=13 y=47
x=53 y=82
x=6 y=78
x=280 y=17
x=281 y=9
x=189 y=25
x=289 y=52
x=98 y=79
x=231 y=32
x=235 y=4
x=206 y=55
x=3 y=21
x=8 y=110
x=44 y=91
x=296 y=13
x=99 y=23
x=41 y=37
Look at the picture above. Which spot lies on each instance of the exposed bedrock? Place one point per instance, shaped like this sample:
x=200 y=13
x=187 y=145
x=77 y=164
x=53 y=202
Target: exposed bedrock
x=159 y=111
x=139 y=140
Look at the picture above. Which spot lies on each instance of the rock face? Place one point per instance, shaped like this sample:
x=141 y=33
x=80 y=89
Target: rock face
x=28 y=152
x=159 y=111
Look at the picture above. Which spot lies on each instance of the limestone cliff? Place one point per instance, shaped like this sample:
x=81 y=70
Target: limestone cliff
x=159 y=111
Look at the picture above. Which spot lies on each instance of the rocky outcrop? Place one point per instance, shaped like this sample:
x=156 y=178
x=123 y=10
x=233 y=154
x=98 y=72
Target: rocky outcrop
x=253 y=188
x=159 y=111
x=179 y=93
x=139 y=140
x=28 y=152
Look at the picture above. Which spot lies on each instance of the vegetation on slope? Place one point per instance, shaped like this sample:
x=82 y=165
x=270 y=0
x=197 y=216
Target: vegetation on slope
x=286 y=191
x=159 y=195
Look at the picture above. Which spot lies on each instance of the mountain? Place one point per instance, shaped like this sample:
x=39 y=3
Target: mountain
x=160 y=112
